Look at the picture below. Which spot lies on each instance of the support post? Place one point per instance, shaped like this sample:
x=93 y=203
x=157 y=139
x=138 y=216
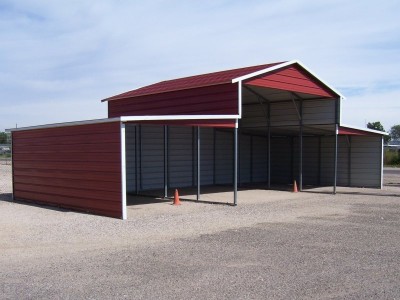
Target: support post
x=140 y=159
x=269 y=146
x=335 y=159
x=165 y=161
x=123 y=171
x=136 y=160
x=301 y=147
x=198 y=163
x=235 y=157
x=349 y=160
x=319 y=159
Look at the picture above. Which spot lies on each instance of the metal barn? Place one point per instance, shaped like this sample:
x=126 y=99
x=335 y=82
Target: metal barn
x=267 y=124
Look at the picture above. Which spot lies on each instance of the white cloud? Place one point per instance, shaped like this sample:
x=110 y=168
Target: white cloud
x=67 y=55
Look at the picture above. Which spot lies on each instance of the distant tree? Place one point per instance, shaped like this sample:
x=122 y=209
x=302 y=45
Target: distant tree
x=3 y=138
x=378 y=126
x=395 y=132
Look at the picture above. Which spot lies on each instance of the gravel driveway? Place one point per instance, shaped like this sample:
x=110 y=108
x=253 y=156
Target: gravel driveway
x=274 y=245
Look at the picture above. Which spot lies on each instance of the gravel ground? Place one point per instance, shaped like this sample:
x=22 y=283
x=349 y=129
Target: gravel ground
x=275 y=245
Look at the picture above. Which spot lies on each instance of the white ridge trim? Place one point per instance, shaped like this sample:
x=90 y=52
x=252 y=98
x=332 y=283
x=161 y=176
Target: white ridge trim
x=282 y=65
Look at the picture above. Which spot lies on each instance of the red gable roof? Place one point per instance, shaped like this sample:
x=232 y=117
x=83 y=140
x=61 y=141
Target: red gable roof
x=191 y=82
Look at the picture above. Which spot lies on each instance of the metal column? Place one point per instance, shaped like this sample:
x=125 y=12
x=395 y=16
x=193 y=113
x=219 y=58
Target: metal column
x=235 y=158
x=165 y=161
x=335 y=159
x=301 y=147
x=198 y=163
x=269 y=145
x=136 y=160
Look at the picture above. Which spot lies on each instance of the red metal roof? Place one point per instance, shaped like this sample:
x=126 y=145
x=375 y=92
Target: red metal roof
x=191 y=82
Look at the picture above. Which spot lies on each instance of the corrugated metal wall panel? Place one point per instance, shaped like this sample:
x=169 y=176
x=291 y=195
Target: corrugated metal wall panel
x=245 y=162
x=260 y=159
x=152 y=157
x=318 y=112
x=181 y=158
x=207 y=156
x=343 y=162
x=310 y=160
x=281 y=172
x=327 y=155
x=223 y=157
x=284 y=114
x=211 y=100
x=130 y=143
x=366 y=161
x=77 y=167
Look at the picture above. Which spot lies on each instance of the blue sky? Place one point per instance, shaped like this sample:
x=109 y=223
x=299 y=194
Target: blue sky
x=58 y=59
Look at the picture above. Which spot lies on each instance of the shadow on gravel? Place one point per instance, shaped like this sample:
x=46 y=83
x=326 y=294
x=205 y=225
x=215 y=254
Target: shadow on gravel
x=7 y=197
x=353 y=193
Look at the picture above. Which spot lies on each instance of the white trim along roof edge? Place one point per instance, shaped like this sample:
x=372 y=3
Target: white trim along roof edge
x=130 y=119
x=282 y=65
x=364 y=129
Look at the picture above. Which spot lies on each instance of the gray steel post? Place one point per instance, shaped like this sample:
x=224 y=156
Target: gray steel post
x=269 y=145
x=235 y=157
x=335 y=159
x=301 y=148
x=198 y=163
x=165 y=161
x=136 y=160
x=140 y=159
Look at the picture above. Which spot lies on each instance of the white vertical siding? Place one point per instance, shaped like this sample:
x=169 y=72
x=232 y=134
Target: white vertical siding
x=366 y=161
x=245 y=167
x=207 y=156
x=260 y=159
x=281 y=160
x=224 y=157
x=180 y=156
x=152 y=157
x=318 y=111
x=130 y=138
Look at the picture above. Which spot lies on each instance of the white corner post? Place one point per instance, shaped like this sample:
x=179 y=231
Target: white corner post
x=382 y=155
x=123 y=171
x=335 y=159
x=235 y=163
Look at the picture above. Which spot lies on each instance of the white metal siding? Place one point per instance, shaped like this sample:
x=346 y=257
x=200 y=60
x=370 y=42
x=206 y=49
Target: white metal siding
x=130 y=138
x=310 y=160
x=223 y=157
x=366 y=161
x=152 y=156
x=318 y=112
x=245 y=163
x=284 y=114
x=260 y=159
x=207 y=156
x=180 y=156
x=281 y=160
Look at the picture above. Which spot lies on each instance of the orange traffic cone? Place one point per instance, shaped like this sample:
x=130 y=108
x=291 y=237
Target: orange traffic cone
x=295 y=187
x=176 y=198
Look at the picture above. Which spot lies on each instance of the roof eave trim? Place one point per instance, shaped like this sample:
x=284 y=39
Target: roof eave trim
x=364 y=129
x=282 y=65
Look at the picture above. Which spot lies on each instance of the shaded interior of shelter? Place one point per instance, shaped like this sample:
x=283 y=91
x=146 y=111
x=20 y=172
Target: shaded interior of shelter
x=282 y=136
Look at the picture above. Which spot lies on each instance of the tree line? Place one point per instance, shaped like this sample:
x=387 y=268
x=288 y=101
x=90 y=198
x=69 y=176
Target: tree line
x=394 y=132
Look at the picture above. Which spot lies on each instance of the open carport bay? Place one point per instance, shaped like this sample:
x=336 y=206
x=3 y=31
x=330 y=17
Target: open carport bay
x=276 y=244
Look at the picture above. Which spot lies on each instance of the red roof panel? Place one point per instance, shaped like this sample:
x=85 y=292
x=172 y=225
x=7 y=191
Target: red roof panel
x=191 y=82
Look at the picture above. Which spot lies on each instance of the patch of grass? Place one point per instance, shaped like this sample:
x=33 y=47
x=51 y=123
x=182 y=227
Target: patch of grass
x=391 y=157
